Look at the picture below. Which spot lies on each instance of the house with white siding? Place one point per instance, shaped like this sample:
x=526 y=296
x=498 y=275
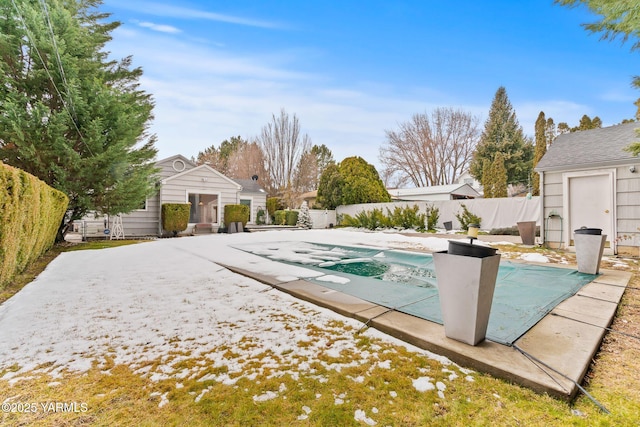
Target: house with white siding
x=207 y=190
x=588 y=179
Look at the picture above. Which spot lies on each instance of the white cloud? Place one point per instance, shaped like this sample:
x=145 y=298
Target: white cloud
x=159 y=27
x=166 y=10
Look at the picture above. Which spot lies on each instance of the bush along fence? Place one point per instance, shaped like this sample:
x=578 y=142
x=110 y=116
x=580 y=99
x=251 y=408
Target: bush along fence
x=401 y=217
x=495 y=213
x=30 y=214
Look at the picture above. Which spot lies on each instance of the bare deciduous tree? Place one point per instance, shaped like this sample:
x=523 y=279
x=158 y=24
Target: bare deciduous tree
x=246 y=161
x=431 y=149
x=283 y=147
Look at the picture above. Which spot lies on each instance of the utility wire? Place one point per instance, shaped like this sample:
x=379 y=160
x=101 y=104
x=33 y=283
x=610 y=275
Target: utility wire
x=63 y=76
x=31 y=39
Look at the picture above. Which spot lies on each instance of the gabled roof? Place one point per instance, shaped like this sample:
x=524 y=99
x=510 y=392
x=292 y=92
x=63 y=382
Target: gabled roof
x=591 y=148
x=176 y=157
x=249 y=185
x=206 y=167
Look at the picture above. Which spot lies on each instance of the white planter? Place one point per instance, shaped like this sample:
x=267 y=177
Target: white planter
x=589 y=249
x=465 y=287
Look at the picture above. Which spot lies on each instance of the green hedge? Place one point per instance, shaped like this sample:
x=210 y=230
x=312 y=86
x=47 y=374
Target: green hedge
x=280 y=217
x=236 y=213
x=30 y=214
x=285 y=217
x=175 y=217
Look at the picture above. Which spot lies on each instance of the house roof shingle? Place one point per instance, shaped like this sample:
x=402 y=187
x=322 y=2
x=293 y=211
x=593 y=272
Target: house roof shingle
x=249 y=185
x=591 y=148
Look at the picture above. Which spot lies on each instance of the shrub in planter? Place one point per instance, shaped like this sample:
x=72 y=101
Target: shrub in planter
x=175 y=217
x=236 y=213
x=260 y=217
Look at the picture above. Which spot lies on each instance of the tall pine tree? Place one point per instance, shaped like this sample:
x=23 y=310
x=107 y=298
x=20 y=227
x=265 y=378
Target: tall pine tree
x=540 y=148
x=503 y=134
x=499 y=172
x=68 y=114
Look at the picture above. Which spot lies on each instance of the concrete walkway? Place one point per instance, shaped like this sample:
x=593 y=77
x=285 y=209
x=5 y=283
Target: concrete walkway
x=552 y=357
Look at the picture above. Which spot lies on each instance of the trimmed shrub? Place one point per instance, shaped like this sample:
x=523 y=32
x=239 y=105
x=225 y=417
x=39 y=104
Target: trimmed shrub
x=236 y=213
x=291 y=217
x=30 y=214
x=274 y=204
x=280 y=217
x=175 y=217
x=466 y=217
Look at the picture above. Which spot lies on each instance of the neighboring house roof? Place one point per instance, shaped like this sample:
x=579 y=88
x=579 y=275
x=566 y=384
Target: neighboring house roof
x=591 y=148
x=206 y=167
x=454 y=189
x=249 y=185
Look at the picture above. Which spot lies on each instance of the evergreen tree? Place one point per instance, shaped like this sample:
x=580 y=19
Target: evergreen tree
x=304 y=217
x=352 y=181
x=502 y=133
x=587 y=123
x=487 y=179
x=330 y=188
x=540 y=148
x=616 y=18
x=499 y=172
x=68 y=114
x=362 y=184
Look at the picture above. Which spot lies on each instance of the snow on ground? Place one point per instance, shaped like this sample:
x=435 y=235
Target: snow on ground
x=534 y=257
x=170 y=300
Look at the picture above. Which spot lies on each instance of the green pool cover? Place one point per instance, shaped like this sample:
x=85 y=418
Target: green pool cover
x=406 y=282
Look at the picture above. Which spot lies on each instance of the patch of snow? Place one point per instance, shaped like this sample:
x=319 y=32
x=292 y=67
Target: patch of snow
x=163 y=400
x=333 y=279
x=534 y=257
x=361 y=415
x=423 y=384
x=268 y=395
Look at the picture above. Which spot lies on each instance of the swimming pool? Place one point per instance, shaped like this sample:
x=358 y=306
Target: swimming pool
x=406 y=282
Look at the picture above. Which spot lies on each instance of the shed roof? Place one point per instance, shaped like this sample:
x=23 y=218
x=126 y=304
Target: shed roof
x=591 y=148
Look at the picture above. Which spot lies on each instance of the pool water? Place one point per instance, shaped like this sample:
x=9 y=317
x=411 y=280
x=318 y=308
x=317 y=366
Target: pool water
x=406 y=282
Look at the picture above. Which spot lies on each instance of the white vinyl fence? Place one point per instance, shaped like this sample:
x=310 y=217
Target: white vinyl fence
x=322 y=218
x=495 y=213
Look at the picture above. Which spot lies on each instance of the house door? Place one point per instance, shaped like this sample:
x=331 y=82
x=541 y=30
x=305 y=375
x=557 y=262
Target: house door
x=591 y=203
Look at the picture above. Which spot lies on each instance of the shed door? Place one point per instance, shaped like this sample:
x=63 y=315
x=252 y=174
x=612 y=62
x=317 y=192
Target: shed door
x=591 y=203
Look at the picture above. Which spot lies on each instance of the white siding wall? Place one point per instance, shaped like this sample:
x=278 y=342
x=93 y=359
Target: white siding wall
x=627 y=205
x=553 y=196
x=258 y=201
x=200 y=181
x=143 y=222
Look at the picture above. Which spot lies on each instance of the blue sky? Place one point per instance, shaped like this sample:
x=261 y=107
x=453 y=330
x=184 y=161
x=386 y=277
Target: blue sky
x=349 y=70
